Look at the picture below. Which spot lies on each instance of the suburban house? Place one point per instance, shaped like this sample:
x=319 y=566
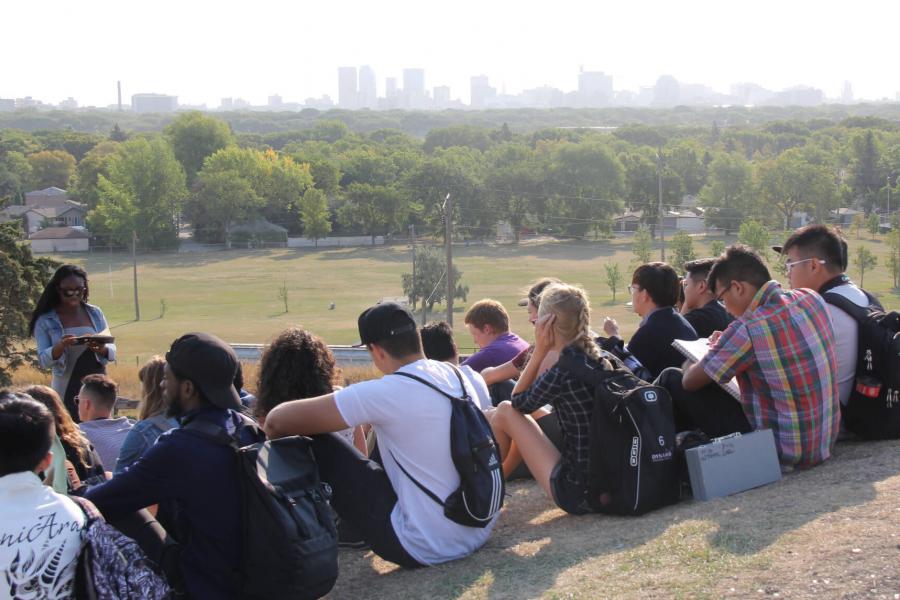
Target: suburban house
x=60 y=239
x=49 y=207
x=630 y=221
x=688 y=219
x=844 y=216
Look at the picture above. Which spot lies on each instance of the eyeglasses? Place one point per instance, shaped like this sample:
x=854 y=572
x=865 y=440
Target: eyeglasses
x=69 y=292
x=76 y=400
x=723 y=292
x=790 y=264
x=634 y=288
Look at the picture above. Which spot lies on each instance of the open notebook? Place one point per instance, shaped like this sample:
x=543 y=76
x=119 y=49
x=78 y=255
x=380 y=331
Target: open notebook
x=695 y=350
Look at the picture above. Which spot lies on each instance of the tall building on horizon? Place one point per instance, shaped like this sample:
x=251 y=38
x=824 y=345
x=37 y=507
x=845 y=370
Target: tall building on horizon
x=153 y=103
x=481 y=91
x=368 y=94
x=348 y=92
x=595 y=88
x=414 y=88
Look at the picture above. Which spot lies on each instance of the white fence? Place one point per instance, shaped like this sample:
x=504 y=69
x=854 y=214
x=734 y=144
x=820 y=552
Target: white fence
x=336 y=242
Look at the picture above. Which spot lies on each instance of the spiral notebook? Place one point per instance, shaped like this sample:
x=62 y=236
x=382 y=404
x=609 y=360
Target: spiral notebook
x=695 y=350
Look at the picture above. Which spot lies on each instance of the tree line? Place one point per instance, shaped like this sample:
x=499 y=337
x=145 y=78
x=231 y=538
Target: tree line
x=562 y=181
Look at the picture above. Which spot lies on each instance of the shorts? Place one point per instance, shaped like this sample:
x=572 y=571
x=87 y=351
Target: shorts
x=570 y=497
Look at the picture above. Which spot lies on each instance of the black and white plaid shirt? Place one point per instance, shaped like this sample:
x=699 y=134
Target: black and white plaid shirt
x=573 y=404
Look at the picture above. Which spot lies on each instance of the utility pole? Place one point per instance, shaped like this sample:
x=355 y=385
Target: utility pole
x=448 y=242
x=662 y=214
x=137 y=306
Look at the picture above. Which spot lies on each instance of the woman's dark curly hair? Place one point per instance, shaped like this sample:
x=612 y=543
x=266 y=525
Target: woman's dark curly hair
x=51 y=298
x=297 y=364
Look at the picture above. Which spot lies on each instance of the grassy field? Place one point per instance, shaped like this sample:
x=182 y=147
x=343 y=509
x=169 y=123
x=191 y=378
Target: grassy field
x=234 y=294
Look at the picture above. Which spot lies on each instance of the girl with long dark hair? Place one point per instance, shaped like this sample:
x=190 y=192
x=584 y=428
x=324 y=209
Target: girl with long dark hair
x=62 y=316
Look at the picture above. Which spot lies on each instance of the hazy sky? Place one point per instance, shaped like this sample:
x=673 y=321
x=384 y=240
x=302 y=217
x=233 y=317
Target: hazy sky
x=203 y=50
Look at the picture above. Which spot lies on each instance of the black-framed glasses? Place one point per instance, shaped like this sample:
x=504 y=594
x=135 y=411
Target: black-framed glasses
x=723 y=292
x=69 y=292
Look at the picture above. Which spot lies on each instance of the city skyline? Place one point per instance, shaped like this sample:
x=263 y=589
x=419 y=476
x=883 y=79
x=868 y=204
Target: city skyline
x=279 y=48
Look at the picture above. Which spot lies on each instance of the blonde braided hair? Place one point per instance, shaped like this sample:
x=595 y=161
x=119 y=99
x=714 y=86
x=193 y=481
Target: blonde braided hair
x=572 y=308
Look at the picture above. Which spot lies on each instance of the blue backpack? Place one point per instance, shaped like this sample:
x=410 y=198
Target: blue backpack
x=476 y=457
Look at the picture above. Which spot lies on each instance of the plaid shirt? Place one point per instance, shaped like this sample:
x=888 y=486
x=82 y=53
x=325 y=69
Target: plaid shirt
x=782 y=353
x=573 y=404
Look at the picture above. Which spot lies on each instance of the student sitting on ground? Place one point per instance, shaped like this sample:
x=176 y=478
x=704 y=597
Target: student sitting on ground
x=488 y=323
x=96 y=401
x=400 y=522
x=654 y=291
x=563 y=325
x=190 y=468
x=438 y=344
x=781 y=349
x=509 y=371
x=41 y=529
x=814 y=259
x=81 y=459
x=298 y=364
x=700 y=308
x=152 y=419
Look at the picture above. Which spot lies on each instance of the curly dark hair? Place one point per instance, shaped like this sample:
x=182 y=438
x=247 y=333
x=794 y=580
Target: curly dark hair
x=297 y=364
x=50 y=298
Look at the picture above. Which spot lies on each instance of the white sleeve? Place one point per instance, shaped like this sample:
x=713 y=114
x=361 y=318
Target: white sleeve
x=364 y=402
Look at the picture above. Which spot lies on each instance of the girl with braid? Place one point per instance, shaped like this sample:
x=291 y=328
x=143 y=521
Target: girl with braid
x=563 y=325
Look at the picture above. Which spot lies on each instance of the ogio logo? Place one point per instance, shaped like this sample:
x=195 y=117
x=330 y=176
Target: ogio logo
x=635 y=445
x=650 y=396
x=662 y=441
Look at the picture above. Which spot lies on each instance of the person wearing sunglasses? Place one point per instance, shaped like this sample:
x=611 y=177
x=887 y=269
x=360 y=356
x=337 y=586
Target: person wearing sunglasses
x=62 y=315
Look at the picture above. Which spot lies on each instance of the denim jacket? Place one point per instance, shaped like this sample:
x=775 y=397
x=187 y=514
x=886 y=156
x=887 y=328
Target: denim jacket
x=143 y=435
x=49 y=329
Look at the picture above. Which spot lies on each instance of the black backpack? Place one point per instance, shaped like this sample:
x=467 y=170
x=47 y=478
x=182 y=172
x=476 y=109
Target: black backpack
x=289 y=541
x=632 y=467
x=873 y=410
x=476 y=457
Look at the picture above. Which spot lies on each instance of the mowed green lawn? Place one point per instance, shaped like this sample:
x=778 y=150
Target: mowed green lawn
x=234 y=294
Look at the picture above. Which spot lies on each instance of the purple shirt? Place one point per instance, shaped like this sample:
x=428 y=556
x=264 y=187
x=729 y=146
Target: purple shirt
x=502 y=350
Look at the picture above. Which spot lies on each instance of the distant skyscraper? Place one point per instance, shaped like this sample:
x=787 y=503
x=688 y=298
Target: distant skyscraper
x=68 y=104
x=847 y=93
x=368 y=95
x=595 y=88
x=666 y=92
x=441 y=96
x=153 y=103
x=414 y=88
x=275 y=101
x=348 y=94
x=481 y=91
x=390 y=87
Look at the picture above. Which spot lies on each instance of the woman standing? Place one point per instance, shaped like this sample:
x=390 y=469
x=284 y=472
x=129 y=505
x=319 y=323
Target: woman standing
x=61 y=316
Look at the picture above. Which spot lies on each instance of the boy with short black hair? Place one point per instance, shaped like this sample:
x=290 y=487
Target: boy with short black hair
x=42 y=530
x=400 y=522
x=438 y=344
x=701 y=309
x=781 y=350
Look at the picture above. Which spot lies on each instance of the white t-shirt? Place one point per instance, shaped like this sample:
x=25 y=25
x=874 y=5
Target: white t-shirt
x=412 y=423
x=846 y=337
x=41 y=534
x=482 y=395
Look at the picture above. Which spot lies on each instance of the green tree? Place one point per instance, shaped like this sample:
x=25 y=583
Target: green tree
x=194 y=136
x=516 y=181
x=228 y=199
x=315 y=214
x=873 y=223
x=754 y=234
x=23 y=278
x=429 y=286
x=716 y=247
x=143 y=193
x=51 y=168
x=117 y=135
x=682 y=247
x=613 y=277
x=865 y=178
x=790 y=184
x=728 y=193
x=642 y=246
x=865 y=261
x=859 y=221
x=374 y=209
x=893 y=264
x=588 y=181
x=458 y=135
x=94 y=164
x=15 y=175
x=642 y=186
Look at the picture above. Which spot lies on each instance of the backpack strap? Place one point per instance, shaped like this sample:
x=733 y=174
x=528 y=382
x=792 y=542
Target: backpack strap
x=219 y=434
x=586 y=371
x=465 y=394
x=161 y=422
x=419 y=485
x=859 y=313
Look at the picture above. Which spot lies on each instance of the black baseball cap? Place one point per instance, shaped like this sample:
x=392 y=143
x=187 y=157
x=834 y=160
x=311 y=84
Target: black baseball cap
x=210 y=363
x=383 y=321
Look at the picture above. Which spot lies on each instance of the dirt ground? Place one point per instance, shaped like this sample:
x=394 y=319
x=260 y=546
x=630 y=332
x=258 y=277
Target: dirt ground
x=830 y=532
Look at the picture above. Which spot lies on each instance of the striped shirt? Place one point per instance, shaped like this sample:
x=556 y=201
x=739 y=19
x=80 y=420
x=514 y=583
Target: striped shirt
x=573 y=404
x=782 y=353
